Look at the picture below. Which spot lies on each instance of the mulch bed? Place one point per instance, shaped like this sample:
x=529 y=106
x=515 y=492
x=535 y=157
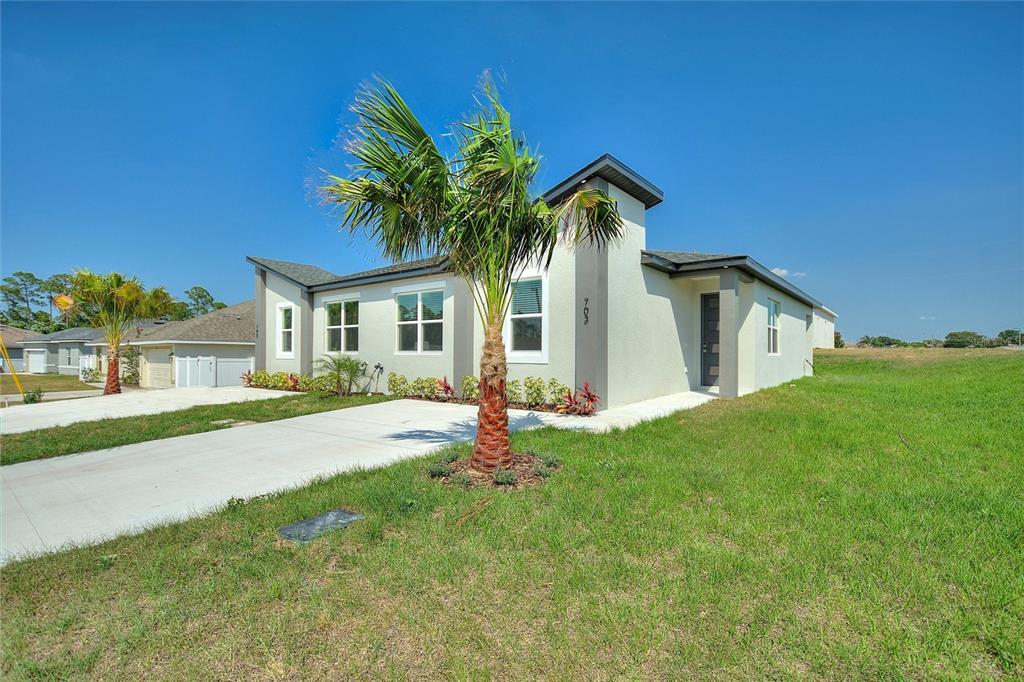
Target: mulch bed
x=523 y=464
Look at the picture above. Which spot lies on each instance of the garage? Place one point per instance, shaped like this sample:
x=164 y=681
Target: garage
x=35 y=360
x=155 y=369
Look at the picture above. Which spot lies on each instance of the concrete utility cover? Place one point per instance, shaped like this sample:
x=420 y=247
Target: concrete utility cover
x=311 y=529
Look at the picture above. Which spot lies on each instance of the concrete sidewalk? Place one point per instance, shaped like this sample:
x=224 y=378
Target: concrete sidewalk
x=93 y=496
x=131 y=403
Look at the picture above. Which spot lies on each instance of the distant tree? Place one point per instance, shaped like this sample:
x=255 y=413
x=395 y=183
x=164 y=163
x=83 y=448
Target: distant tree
x=1010 y=337
x=179 y=310
x=837 y=340
x=200 y=301
x=964 y=340
x=115 y=302
x=21 y=292
x=55 y=285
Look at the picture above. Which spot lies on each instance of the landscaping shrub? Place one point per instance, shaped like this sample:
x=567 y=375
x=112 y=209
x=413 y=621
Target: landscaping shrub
x=504 y=477
x=130 y=372
x=556 y=389
x=342 y=372
x=444 y=390
x=583 y=402
x=542 y=471
x=461 y=478
x=438 y=470
x=90 y=375
x=470 y=387
x=534 y=390
x=398 y=385
x=33 y=395
x=424 y=387
x=514 y=391
x=450 y=457
x=548 y=459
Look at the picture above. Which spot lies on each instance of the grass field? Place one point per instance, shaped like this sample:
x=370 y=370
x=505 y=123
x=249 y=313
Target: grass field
x=47 y=382
x=109 y=433
x=866 y=523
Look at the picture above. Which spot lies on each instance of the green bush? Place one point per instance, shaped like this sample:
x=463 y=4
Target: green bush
x=398 y=385
x=542 y=471
x=33 y=395
x=556 y=390
x=470 y=387
x=514 y=391
x=342 y=372
x=439 y=470
x=548 y=459
x=505 y=477
x=424 y=387
x=91 y=375
x=449 y=457
x=461 y=478
x=534 y=390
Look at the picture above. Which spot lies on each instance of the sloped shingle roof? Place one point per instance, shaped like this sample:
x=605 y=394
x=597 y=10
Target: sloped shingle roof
x=680 y=257
x=70 y=334
x=235 y=323
x=312 y=276
x=13 y=335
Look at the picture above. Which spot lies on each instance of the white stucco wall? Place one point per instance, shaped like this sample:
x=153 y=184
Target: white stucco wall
x=220 y=350
x=795 y=352
x=378 y=331
x=279 y=291
x=824 y=329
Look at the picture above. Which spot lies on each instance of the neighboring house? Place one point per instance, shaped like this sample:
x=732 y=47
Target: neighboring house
x=59 y=352
x=824 y=327
x=12 y=337
x=209 y=350
x=633 y=322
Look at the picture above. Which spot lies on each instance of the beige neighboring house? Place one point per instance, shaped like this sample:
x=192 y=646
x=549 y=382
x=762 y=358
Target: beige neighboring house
x=13 y=336
x=209 y=350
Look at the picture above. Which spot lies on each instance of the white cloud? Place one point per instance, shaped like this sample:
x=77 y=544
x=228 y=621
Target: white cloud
x=799 y=274
x=783 y=272
x=926 y=317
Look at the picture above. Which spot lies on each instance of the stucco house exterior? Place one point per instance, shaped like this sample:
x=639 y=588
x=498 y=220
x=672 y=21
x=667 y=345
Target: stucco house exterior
x=209 y=350
x=58 y=352
x=635 y=323
x=12 y=338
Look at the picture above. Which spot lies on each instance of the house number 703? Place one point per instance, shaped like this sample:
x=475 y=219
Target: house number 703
x=586 y=312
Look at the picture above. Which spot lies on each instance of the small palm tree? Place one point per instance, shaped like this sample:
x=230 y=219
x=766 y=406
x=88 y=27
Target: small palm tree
x=113 y=302
x=344 y=371
x=474 y=210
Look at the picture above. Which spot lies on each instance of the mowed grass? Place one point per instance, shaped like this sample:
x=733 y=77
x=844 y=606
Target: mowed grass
x=866 y=523
x=48 y=382
x=109 y=433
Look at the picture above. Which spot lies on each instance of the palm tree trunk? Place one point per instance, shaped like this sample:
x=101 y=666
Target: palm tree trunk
x=491 y=449
x=113 y=384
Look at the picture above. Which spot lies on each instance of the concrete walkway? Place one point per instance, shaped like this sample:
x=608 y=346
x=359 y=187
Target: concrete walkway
x=93 y=496
x=131 y=403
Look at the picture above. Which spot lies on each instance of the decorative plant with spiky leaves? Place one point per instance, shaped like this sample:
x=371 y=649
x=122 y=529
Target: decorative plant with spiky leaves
x=114 y=303
x=473 y=210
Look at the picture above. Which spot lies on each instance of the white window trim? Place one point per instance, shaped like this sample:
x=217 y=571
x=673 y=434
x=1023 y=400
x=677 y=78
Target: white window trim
x=280 y=354
x=419 y=290
x=342 y=299
x=530 y=357
x=777 y=326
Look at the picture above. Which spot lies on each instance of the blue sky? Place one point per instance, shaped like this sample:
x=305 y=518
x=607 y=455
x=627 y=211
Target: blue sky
x=875 y=149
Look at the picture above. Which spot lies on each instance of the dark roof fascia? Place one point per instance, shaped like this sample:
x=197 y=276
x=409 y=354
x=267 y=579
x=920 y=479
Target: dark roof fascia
x=267 y=268
x=636 y=185
x=376 y=279
x=744 y=263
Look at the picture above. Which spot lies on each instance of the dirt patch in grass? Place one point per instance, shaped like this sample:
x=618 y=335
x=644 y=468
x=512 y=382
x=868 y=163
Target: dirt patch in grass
x=529 y=469
x=915 y=356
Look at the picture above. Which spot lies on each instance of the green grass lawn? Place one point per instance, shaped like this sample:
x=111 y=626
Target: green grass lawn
x=109 y=433
x=47 y=382
x=866 y=523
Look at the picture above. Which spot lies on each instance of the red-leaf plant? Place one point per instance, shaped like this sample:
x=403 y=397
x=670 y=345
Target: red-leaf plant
x=583 y=402
x=293 y=382
x=445 y=390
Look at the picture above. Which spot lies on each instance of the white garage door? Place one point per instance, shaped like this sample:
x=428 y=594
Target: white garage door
x=210 y=371
x=36 y=361
x=157 y=368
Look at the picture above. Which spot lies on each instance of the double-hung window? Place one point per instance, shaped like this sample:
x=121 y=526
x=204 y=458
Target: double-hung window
x=285 y=330
x=420 y=321
x=342 y=326
x=527 y=315
x=773 y=327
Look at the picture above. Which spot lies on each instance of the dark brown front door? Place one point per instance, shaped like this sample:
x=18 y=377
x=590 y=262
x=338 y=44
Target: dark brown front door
x=709 y=318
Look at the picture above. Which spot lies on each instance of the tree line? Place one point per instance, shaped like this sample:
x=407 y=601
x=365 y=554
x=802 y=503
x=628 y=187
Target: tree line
x=30 y=302
x=963 y=339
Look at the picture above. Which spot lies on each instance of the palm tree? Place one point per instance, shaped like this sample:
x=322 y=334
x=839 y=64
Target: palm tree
x=473 y=210
x=344 y=371
x=113 y=302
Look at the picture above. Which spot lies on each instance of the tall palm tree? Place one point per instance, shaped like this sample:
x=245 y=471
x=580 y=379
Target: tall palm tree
x=113 y=302
x=473 y=210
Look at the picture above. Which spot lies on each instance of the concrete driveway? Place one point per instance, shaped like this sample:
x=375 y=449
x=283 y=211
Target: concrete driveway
x=19 y=418
x=93 y=496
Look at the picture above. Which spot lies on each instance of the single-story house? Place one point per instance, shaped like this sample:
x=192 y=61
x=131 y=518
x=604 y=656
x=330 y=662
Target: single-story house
x=59 y=352
x=824 y=327
x=12 y=337
x=210 y=350
x=634 y=322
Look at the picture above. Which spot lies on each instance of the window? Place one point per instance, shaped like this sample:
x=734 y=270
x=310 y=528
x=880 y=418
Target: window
x=342 y=327
x=420 y=321
x=286 y=329
x=773 y=327
x=527 y=315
